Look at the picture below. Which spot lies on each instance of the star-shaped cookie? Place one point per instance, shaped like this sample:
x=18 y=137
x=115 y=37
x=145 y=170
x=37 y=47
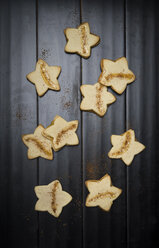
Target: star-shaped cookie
x=96 y=98
x=125 y=146
x=45 y=77
x=51 y=198
x=62 y=132
x=116 y=74
x=38 y=145
x=102 y=193
x=80 y=40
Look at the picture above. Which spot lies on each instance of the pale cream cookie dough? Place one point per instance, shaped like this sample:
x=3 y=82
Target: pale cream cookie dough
x=116 y=74
x=96 y=98
x=51 y=198
x=102 y=193
x=80 y=40
x=125 y=147
x=62 y=133
x=45 y=77
x=38 y=145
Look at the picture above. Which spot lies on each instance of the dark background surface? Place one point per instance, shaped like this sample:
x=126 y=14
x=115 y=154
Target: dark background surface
x=34 y=29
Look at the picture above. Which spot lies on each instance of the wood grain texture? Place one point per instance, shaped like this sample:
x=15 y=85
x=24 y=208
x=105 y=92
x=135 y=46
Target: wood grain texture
x=53 y=18
x=106 y=19
x=18 y=116
x=34 y=29
x=142 y=40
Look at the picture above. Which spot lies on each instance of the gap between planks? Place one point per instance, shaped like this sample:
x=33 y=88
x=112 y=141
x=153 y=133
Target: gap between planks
x=82 y=159
x=126 y=128
x=37 y=110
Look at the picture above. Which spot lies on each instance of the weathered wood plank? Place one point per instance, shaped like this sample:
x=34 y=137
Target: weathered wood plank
x=18 y=116
x=106 y=19
x=54 y=17
x=142 y=40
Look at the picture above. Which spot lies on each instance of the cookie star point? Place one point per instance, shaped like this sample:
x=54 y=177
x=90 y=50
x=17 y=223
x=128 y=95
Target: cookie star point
x=96 y=98
x=80 y=40
x=38 y=145
x=125 y=147
x=116 y=74
x=62 y=133
x=44 y=77
x=51 y=198
x=102 y=193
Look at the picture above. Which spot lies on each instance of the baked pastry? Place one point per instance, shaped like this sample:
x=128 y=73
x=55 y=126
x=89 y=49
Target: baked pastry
x=102 y=193
x=125 y=147
x=96 y=98
x=51 y=198
x=116 y=74
x=38 y=145
x=80 y=40
x=45 y=77
x=62 y=133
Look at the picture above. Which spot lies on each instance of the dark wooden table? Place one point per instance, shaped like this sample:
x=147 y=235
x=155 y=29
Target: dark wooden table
x=34 y=29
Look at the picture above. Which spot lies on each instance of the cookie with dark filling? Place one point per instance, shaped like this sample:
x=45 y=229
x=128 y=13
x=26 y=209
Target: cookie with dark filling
x=51 y=198
x=38 y=145
x=62 y=133
x=45 y=77
x=102 y=193
x=80 y=40
x=125 y=147
x=116 y=74
x=96 y=98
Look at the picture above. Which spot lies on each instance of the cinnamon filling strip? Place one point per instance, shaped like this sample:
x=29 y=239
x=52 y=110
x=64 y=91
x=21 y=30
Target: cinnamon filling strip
x=107 y=194
x=64 y=132
x=83 y=39
x=120 y=75
x=53 y=203
x=125 y=146
x=46 y=77
x=39 y=145
x=99 y=102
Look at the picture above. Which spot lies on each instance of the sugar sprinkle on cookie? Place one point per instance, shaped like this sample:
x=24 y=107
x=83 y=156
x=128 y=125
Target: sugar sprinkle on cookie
x=51 y=198
x=38 y=145
x=96 y=98
x=62 y=132
x=125 y=147
x=116 y=74
x=80 y=40
x=45 y=77
x=102 y=193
